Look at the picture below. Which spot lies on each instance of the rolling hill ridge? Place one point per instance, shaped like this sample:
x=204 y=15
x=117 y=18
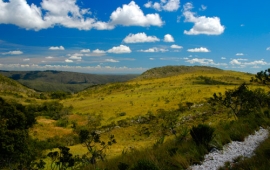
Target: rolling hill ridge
x=166 y=71
x=62 y=81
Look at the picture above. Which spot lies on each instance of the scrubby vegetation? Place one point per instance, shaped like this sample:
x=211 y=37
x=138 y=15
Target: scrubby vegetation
x=169 y=122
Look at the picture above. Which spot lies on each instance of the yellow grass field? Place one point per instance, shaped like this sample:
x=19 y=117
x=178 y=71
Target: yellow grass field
x=137 y=98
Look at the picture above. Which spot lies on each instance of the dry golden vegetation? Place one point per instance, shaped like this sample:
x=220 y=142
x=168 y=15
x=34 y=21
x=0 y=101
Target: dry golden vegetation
x=138 y=97
x=125 y=110
x=122 y=101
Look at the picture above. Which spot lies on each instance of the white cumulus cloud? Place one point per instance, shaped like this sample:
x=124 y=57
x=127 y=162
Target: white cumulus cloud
x=13 y=53
x=75 y=57
x=111 y=60
x=202 y=24
x=244 y=62
x=198 y=50
x=204 y=61
x=68 y=61
x=140 y=38
x=57 y=48
x=168 y=38
x=239 y=54
x=50 y=13
x=95 y=53
x=20 y=13
x=67 y=13
x=174 y=46
x=98 y=51
x=154 y=50
x=166 y=5
x=268 y=48
x=120 y=49
x=132 y=15
x=235 y=62
x=85 y=51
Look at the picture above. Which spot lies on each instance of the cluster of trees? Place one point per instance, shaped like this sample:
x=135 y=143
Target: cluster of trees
x=19 y=151
x=54 y=95
x=17 y=148
x=15 y=143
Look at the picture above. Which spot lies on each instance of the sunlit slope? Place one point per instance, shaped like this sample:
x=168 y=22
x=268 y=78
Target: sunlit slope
x=148 y=95
x=11 y=88
x=134 y=99
x=166 y=71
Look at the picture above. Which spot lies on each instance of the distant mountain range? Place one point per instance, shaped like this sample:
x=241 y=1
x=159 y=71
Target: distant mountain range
x=73 y=82
x=50 y=80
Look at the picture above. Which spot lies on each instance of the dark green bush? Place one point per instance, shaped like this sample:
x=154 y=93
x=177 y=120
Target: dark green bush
x=202 y=134
x=60 y=95
x=123 y=123
x=122 y=114
x=144 y=165
x=123 y=166
x=62 y=122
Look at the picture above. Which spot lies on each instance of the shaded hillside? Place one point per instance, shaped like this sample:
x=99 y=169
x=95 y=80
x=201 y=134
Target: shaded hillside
x=61 y=80
x=160 y=72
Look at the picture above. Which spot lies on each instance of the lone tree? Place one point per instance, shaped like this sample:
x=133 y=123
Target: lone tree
x=96 y=147
x=61 y=160
x=241 y=101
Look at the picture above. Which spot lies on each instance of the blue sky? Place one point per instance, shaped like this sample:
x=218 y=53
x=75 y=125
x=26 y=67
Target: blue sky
x=126 y=36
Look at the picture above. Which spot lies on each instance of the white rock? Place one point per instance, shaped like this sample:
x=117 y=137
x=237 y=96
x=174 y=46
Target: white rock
x=216 y=159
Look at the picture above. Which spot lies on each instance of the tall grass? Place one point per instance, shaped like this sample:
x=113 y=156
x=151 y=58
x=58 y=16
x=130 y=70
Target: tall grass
x=175 y=154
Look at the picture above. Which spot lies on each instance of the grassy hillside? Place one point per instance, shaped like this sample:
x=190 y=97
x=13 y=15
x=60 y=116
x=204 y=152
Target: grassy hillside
x=12 y=89
x=166 y=71
x=122 y=104
x=61 y=80
x=148 y=95
x=140 y=114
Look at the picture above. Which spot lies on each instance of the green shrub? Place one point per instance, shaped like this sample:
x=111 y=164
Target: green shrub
x=182 y=135
x=123 y=166
x=236 y=135
x=123 y=123
x=60 y=95
x=266 y=113
x=122 y=114
x=202 y=134
x=144 y=165
x=62 y=122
